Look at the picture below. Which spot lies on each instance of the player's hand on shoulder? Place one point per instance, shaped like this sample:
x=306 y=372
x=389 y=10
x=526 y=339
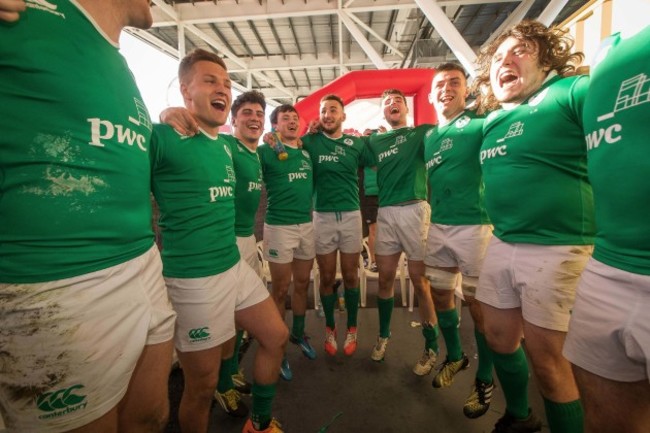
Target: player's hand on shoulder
x=10 y=10
x=180 y=119
x=269 y=138
x=314 y=127
x=380 y=130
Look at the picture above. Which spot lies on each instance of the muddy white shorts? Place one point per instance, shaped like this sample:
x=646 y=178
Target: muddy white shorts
x=338 y=231
x=68 y=347
x=541 y=279
x=609 y=332
x=206 y=306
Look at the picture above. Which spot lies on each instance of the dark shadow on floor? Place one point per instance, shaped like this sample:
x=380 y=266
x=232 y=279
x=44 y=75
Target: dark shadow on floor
x=355 y=394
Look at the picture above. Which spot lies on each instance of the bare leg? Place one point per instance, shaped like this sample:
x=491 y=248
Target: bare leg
x=421 y=286
x=613 y=406
x=301 y=270
x=145 y=407
x=280 y=281
x=201 y=371
x=264 y=321
x=552 y=370
x=386 y=279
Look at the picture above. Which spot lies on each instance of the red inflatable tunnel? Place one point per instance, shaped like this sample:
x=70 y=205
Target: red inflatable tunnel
x=371 y=84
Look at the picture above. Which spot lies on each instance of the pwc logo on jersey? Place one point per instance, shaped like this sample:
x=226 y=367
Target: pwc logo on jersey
x=327 y=158
x=220 y=191
x=333 y=157
x=104 y=131
x=254 y=186
x=301 y=175
x=436 y=160
x=394 y=150
x=298 y=176
x=61 y=402
x=494 y=152
x=632 y=93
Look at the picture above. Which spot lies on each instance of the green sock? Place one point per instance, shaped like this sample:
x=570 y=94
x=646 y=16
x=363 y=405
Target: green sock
x=225 y=376
x=298 y=326
x=564 y=417
x=512 y=371
x=352 y=297
x=430 y=333
x=263 y=396
x=485 y=362
x=329 y=301
x=449 y=321
x=234 y=367
x=385 y=307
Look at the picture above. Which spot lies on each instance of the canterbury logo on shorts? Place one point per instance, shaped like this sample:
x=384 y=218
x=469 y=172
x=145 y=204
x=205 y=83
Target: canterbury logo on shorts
x=61 y=402
x=199 y=334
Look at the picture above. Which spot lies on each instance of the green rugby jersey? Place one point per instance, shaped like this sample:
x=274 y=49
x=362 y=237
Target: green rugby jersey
x=194 y=183
x=248 y=192
x=454 y=171
x=370 y=181
x=616 y=116
x=336 y=163
x=535 y=168
x=289 y=185
x=74 y=149
x=399 y=157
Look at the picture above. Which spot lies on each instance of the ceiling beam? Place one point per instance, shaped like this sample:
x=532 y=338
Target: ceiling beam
x=515 y=16
x=241 y=40
x=374 y=56
x=551 y=12
x=313 y=36
x=208 y=12
x=295 y=37
x=449 y=34
x=153 y=40
x=220 y=47
x=368 y=28
x=258 y=37
x=277 y=38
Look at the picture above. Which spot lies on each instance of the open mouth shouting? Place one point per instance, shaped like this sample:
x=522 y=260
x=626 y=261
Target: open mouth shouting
x=219 y=103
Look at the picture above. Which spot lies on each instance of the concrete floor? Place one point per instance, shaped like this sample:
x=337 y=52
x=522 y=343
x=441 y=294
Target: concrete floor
x=354 y=394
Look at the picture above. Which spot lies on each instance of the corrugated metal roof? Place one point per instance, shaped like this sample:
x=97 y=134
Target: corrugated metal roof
x=290 y=48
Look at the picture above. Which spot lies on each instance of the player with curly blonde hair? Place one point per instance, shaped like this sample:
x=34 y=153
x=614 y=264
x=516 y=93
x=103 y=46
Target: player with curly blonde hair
x=538 y=197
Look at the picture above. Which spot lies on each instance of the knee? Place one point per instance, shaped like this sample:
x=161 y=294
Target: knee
x=327 y=282
x=351 y=280
x=276 y=339
x=554 y=372
x=280 y=291
x=301 y=279
x=443 y=299
x=500 y=341
x=203 y=388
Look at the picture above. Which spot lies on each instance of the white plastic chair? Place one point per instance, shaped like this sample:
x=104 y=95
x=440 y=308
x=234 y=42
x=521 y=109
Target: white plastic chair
x=403 y=272
x=266 y=271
